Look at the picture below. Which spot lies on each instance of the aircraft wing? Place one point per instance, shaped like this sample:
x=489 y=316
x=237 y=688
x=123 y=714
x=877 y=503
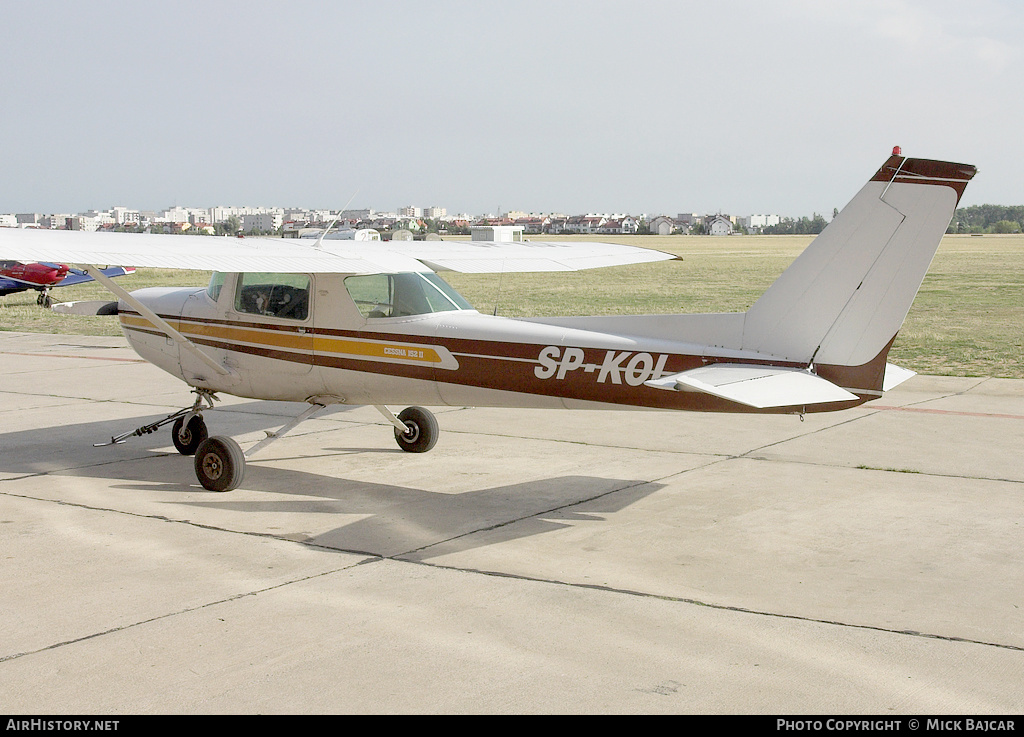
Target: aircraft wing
x=78 y=277
x=203 y=253
x=756 y=386
x=209 y=253
x=489 y=257
x=11 y=285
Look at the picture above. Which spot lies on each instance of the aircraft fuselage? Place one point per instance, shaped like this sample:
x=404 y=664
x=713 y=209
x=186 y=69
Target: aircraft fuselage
x=331 y=351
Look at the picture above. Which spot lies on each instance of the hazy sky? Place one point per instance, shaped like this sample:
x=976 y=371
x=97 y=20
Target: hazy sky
x=642 y=106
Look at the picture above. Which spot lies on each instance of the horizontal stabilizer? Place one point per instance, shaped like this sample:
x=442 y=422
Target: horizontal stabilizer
x=756 y=386
x=894 y=376
x=77 y=276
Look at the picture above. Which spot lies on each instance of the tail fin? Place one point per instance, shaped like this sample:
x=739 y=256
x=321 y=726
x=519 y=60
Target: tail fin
x=843 y=300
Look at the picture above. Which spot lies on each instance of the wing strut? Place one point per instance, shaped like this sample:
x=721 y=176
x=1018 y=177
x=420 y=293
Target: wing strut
x=158 y=321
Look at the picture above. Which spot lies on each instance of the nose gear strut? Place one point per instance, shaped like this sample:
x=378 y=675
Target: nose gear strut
x=186 y=415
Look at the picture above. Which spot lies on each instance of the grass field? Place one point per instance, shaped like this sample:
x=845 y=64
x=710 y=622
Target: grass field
x=967 y=320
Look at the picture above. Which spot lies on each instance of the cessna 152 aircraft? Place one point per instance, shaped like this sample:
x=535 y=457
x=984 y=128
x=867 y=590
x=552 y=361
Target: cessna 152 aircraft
x=372 y=323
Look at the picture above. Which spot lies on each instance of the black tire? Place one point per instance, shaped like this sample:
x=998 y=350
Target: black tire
x=220 y=464
x=188 y=440
x=422 y=431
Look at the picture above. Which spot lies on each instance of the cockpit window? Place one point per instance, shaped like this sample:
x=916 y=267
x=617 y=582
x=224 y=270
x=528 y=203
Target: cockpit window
x=402 y=295
x=276 y=295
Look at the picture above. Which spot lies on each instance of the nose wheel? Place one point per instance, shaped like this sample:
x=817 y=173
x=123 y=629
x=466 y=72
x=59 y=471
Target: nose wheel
x=188 y=437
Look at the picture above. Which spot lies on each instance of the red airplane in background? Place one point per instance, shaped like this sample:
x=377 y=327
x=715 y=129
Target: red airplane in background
x=18 y=277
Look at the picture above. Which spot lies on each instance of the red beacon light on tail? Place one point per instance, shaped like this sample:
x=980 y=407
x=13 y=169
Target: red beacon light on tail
x=896 y=151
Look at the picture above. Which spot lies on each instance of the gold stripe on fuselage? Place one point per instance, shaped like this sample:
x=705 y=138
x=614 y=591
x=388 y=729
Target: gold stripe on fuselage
x=293 y=341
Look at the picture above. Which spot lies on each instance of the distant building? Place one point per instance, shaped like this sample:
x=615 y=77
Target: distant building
x=585 y=223
x=175 y=215
x=533 y=224
x=357 y=215
x=718 y=225
x=125 y=215
x=263 y=222
x=499 y=233
x=56 y=222
x=758 y=222
x=626 y=225
x=662 y=225
x=558 y=225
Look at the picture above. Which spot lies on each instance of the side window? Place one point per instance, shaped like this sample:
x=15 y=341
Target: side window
x=275 y=295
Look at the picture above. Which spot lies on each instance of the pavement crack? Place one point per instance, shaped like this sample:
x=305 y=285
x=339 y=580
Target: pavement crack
x=179 y=612
x=724 y=607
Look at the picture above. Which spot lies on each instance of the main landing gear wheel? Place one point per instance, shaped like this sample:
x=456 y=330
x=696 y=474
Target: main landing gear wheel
x=220 y=464
x=421 y=430
x=187 y=438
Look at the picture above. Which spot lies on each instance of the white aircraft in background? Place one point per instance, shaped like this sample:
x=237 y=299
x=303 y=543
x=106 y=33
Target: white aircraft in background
x=372 y=323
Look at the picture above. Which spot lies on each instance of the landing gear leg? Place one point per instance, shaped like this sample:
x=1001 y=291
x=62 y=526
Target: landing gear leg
x=188 y=425
x=416 y=429
x=220 y=462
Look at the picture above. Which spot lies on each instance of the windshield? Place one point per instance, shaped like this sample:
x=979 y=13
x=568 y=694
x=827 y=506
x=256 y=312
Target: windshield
x=216 y=284
x=402 y=295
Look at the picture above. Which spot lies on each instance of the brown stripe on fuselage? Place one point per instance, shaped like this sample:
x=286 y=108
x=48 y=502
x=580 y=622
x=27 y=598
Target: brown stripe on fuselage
x=507 y=366
x=867 y=378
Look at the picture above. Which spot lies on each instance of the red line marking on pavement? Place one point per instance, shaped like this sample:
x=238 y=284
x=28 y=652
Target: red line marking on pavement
x=947 y=412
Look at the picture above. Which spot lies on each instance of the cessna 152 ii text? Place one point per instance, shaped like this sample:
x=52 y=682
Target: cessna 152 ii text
x=373 y=324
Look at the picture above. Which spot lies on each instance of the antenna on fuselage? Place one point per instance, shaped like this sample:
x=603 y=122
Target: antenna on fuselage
x=501 y=279
x=320 y=239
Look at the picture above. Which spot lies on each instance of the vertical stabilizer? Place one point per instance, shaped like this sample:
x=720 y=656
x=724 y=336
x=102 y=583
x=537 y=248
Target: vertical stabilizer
x=845 y=297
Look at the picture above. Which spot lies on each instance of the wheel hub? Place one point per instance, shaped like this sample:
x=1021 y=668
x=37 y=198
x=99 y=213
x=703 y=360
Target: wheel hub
x=212 y=465
x=412 y=432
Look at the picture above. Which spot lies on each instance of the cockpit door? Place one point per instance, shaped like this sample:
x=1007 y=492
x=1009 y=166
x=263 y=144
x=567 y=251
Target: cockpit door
x=270 y=315
x=259 y=322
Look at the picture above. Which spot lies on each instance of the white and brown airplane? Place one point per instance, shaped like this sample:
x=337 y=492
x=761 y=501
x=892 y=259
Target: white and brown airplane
x=373 y=324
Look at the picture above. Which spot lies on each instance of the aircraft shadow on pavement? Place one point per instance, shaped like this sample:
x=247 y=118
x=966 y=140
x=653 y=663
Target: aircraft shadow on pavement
x=418 y=523
x=63 y=446
x=389 y=520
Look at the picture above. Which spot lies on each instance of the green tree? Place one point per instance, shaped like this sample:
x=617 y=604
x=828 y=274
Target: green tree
x=983 y=218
